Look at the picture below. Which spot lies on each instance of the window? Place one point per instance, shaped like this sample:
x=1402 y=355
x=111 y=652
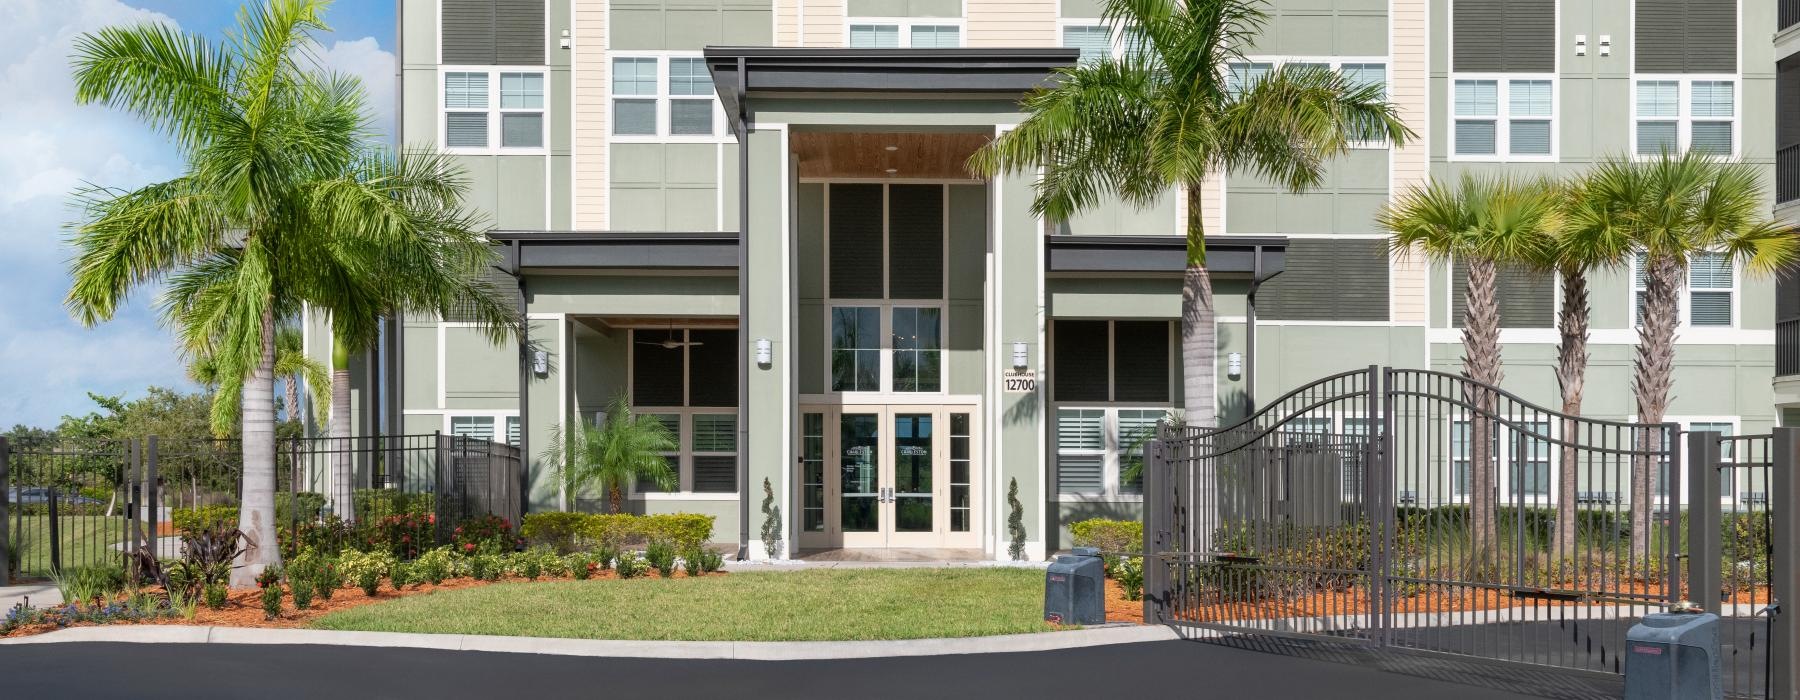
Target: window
x=918 y=351
x=684 y=105
x=1727 y=475
x=1359 y=73
x=480 y=104
x=1711 y=290
x=961 y=473
x=1520 y=455
x=812 y=472
x=1095 y=41
x=856 y=348
x=482 y=427
x=687 y=378
x=886 y=278
x=1674 y=114
x=1111 y=384
x=900 y=33
x=1099 y=450
x=1504 y=118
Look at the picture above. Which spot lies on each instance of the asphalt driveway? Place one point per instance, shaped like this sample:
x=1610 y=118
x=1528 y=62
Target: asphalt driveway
x=1177 y=669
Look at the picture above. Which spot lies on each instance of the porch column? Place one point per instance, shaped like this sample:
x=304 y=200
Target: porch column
x=768 y=403
x=1019 y=419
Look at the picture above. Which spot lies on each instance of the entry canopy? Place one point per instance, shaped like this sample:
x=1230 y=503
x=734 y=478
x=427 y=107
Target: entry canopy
x=740 y=71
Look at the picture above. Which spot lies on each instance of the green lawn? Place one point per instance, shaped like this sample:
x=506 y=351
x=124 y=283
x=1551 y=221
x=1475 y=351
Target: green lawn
x=857 y=604
x=86 y=540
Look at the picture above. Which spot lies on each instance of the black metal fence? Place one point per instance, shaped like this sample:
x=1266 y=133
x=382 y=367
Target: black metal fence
x=77 y=503
x=1421 y=510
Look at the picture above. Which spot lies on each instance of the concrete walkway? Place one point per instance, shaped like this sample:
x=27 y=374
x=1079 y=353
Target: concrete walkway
x=760 y=651
x=41 y=594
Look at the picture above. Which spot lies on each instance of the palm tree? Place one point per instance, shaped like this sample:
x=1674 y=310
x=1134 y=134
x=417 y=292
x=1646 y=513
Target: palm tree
x=1483 y=222
x=423 y=255
x=292 y=367
x=623 y=448
x=1671 y=209
x=274 y=188
x=1168 y=115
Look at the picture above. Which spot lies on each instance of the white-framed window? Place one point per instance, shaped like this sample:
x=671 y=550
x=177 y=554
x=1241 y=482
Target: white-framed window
x=904 y=32
x=664 y=97
x=492 y=426
x=1711 y=298
x=1522 y=458
x=1677 y=113
x=1097 y=445
x=887 y=346
x=1359 y=71
x=686 y=378
x=1503 y=117
x=1724 y=425
x=490 y=110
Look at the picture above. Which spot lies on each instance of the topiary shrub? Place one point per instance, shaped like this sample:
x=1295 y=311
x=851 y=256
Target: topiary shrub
x=1015 y=521
x=771 y=528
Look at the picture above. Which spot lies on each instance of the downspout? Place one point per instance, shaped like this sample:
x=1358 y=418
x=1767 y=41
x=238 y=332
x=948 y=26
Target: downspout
x=1256 y=280
x=390 y=367
x=515 y=267
x=742 y=127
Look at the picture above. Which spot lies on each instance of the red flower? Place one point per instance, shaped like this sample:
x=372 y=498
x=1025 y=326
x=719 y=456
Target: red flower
x=470 y=547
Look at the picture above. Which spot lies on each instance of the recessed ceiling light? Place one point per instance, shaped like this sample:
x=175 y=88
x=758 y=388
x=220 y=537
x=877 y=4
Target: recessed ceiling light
x=892 y=148
x=891 y=171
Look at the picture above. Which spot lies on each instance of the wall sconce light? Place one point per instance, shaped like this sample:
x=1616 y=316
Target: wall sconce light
x=765 y=352
x=1606 y=44
x=1581 y=44
x=1021 y=354
x=540 y=362
x=1234 y=365
x=565 y=38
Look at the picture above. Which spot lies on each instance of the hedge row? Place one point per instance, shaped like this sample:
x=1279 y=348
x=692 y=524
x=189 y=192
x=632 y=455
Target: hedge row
x=572 y=532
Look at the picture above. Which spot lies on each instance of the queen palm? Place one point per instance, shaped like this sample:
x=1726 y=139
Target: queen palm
x=1673 y=209
x=292 y=367
x=1484 y=223
x=239 y=236
x=623 y=448
x=1168 y=115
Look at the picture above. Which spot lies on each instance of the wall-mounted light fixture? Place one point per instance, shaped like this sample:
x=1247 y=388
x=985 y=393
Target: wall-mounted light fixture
x=565 y=38
x=1606 y=44
x=1581 y=44
x=1234 y=365
x=765 y=352
x=1021 y=354
x=540 y=362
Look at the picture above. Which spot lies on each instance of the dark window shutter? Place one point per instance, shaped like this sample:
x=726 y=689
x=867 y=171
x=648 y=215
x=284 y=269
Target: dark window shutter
x=1329 y=279
x=1512 y=36
x=712 y=368
x=468 y=32
x=1787 y=102
x=855 y=242
x=1079 y=372
x=655 y=370
x=1527 y=297
x=715 y=473
x=504 y=288
x=1141 y=361
x=916 y=242
x=519 y=32
x=1687 y=36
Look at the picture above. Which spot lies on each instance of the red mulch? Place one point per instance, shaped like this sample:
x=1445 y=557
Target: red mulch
x=244 y=607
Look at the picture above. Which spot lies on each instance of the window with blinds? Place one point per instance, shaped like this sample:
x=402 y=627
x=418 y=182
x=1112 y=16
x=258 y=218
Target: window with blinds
x=1711 y=290
x=474 y=102
x=874 y=36
x=1520 y=125
x=1676 y=114
x=1080 y=450
x=663 y=96
x=1095 y=41
x=1136 y=428
x=475 y=427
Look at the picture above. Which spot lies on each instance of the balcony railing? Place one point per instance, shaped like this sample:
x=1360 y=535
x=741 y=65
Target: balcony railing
x=1787 y=172
x=1787 y=347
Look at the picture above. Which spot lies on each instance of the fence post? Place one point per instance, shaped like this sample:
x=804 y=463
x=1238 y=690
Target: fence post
x=1156 y=568
x=133 y=473
x=152 y=494
x=1784 y=502
x=1672 y=512
x=5 y=534
x=1704 y=521
x=55 y=531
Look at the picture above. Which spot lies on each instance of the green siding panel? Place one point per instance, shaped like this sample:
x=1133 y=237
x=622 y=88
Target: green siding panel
x=1527 y=298
x=905 y=8
x=689 y=25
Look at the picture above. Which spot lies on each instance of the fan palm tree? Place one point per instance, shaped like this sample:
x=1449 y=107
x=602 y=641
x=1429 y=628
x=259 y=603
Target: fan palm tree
x=1168 y=115
x=275 y=150
x=1671 y=209
x=292 y=367
x=624 y=447
x=1484 y=223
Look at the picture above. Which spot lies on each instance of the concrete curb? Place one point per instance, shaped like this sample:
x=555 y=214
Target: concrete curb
x=757 y=651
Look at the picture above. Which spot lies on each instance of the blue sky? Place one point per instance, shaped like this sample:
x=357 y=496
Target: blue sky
x=49 y=146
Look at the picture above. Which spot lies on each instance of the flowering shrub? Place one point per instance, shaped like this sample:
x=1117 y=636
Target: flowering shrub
x=270 y=583
x=488 y=534
x=403 y=535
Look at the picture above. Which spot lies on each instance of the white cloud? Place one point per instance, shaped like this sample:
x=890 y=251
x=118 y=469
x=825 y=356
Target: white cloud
x=49 y=146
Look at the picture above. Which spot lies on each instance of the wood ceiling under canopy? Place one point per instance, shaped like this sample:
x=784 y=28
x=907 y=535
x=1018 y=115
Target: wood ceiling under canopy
x=935 y=156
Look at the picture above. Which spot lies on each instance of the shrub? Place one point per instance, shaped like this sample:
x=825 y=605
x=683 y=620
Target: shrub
x=1015 y=521
x=604 y=556
x=551 y=563
x=90 y=582
x=661 y=556
x=629 y=565
x=488 y=534
x=403 y=535
x=328 y=535
x=710 y=561
x=690 y=560
x=771 y=528
x=216 y=595
x=193 y=520
x=564 y=532
x=304 y=506
x=435 y=566
x=486 y=567
x=375 y=504
x=1108 y=535
x=328 y=578
x=618 y=530
x=581 y=565
x=530 y=566
x=366 y=568
x=1130 y=574
x=270 y=583
x=302 y=589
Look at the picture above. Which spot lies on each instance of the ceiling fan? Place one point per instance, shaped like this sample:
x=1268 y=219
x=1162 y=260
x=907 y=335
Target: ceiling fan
x=670 y=343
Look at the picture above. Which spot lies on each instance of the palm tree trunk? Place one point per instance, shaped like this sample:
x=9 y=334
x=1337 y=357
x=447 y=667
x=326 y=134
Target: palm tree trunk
x=1481 y=363
x=342 y=473
x=256 y=511
x=1652 y=374
x=615 y=498
x=1571 y=377
x=290 y=386
x=1199 y=325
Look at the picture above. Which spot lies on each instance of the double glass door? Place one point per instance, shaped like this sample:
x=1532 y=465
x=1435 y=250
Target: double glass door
x=888 y=476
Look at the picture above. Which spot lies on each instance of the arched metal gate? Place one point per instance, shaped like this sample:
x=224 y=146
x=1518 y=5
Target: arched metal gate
x=1417 y=509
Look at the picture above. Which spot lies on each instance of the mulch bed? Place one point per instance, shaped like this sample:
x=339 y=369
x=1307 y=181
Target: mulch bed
x=243 y=608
